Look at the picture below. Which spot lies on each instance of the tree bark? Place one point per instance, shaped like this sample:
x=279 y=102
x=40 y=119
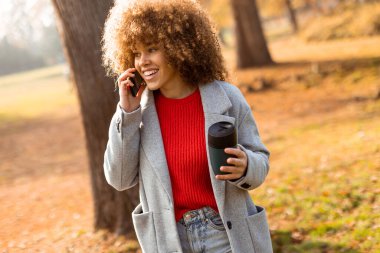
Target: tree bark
x=252 y=49
x=292 y=15
x=80 y=24
x=319 y=6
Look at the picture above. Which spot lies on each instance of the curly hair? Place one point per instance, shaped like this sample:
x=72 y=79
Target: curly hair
x=180 y=27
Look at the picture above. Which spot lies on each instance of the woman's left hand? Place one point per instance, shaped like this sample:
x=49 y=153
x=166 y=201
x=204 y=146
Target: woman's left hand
x=238 y=164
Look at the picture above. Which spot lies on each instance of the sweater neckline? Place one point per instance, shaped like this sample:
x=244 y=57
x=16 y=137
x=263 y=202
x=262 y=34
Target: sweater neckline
x=177 y=101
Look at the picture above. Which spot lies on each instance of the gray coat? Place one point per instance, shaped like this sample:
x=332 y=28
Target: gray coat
x=135 y=154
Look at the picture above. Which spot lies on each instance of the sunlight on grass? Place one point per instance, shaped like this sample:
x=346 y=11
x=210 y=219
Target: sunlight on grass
x=322 y=192
x=34 y=93
x=324 y=184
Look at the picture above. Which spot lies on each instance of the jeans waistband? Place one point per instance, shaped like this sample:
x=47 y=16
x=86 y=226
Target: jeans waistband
x=198 y=215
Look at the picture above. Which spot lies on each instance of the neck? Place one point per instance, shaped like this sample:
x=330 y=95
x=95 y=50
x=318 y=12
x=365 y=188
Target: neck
x=178 y=91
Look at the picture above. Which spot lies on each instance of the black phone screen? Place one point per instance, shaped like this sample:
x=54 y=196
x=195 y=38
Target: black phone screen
x=137 y=81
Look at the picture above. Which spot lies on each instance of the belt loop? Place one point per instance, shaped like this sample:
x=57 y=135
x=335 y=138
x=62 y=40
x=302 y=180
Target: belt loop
x=203 y=213
x=206 y=212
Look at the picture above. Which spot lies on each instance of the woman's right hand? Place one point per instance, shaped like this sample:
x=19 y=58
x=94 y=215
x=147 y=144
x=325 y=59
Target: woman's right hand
x=128 y=102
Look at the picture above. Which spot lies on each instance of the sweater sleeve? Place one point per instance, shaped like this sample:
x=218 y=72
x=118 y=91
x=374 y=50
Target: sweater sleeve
x=121 y=158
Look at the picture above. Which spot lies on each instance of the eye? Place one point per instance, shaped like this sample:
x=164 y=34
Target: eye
x=152 y=49
x=136 y=54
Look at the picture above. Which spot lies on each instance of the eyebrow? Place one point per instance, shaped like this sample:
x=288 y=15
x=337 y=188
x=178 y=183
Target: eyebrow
x=152 y=45
x=146 y=46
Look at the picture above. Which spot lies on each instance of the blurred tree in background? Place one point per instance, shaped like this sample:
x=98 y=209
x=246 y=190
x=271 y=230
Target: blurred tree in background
x=14 y=59
x=292 y=15
x=252 y=49
x=28 y=37
x=81 y=24
x=26 y=42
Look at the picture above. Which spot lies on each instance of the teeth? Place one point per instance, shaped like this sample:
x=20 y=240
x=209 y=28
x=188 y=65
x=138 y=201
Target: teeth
x=150 y=72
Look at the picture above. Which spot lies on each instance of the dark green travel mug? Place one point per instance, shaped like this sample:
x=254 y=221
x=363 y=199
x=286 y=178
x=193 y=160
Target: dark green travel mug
x=221 y=135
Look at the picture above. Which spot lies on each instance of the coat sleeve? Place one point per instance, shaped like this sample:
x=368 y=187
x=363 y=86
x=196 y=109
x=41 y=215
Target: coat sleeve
x=258 y=155
x=121 y=158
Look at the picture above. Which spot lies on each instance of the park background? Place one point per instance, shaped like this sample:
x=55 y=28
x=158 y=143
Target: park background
x=317 y=109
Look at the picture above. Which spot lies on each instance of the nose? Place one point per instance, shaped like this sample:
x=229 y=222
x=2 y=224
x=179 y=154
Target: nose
x=144 y=59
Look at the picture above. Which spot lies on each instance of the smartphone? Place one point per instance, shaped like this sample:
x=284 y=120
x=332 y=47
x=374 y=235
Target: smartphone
x=137 y=81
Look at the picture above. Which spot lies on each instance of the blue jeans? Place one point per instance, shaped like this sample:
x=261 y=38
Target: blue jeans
x=202 y=231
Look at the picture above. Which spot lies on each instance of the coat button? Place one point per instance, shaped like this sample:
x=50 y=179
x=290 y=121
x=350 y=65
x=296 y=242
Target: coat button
x=229 y=224
x=245 y=185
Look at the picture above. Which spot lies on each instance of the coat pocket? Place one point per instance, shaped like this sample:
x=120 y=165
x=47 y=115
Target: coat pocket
x=145 y=231
x=259 y=230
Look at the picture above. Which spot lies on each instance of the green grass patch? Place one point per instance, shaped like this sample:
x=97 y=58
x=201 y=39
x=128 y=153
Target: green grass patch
x=323 y=184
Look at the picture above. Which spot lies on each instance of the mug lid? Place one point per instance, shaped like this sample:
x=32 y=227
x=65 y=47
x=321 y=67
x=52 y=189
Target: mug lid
x=222 y=134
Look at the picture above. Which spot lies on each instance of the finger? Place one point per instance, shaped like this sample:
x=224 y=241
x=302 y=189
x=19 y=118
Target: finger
x=234 y=151
x=125 y=84
x=126 y=74
x=230 y=169
x=227 y=177
x=235 y=161
x=233 y=169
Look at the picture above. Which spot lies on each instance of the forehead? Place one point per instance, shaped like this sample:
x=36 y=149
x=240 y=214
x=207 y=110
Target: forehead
x=143 y=46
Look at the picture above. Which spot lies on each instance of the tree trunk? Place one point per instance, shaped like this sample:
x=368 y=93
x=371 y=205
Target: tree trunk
x=292 y=15
x=252 y=47
x=80 y=24
x=319 y=6
x=309 y=4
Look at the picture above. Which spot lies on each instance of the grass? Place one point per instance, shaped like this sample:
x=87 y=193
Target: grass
x=322 y=191
x=34 y=93
x=324 y=183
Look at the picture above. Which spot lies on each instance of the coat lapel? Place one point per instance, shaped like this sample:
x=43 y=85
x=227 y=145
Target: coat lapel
x=215 y=104
x=152 y=143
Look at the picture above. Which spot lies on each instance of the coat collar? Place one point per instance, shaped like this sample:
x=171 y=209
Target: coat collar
x=214 y=98
x=215 y=105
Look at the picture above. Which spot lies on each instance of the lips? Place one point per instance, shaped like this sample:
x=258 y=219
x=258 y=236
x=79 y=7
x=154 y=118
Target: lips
x=149 y=73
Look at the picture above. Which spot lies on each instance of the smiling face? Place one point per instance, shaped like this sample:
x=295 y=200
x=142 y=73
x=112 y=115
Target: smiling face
x=151 y=63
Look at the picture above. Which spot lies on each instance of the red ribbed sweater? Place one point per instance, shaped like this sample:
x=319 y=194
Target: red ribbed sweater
x=183 y=133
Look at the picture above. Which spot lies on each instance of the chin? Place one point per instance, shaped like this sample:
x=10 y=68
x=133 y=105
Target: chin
x=152 y=87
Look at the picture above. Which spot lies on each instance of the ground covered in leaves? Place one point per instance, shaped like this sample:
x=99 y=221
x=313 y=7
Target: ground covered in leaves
x=318 y=112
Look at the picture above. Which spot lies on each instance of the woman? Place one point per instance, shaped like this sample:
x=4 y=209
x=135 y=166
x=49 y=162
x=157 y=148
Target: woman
x=158 y=138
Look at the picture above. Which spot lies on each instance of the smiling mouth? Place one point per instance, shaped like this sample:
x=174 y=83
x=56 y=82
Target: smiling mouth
x=150 y=74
